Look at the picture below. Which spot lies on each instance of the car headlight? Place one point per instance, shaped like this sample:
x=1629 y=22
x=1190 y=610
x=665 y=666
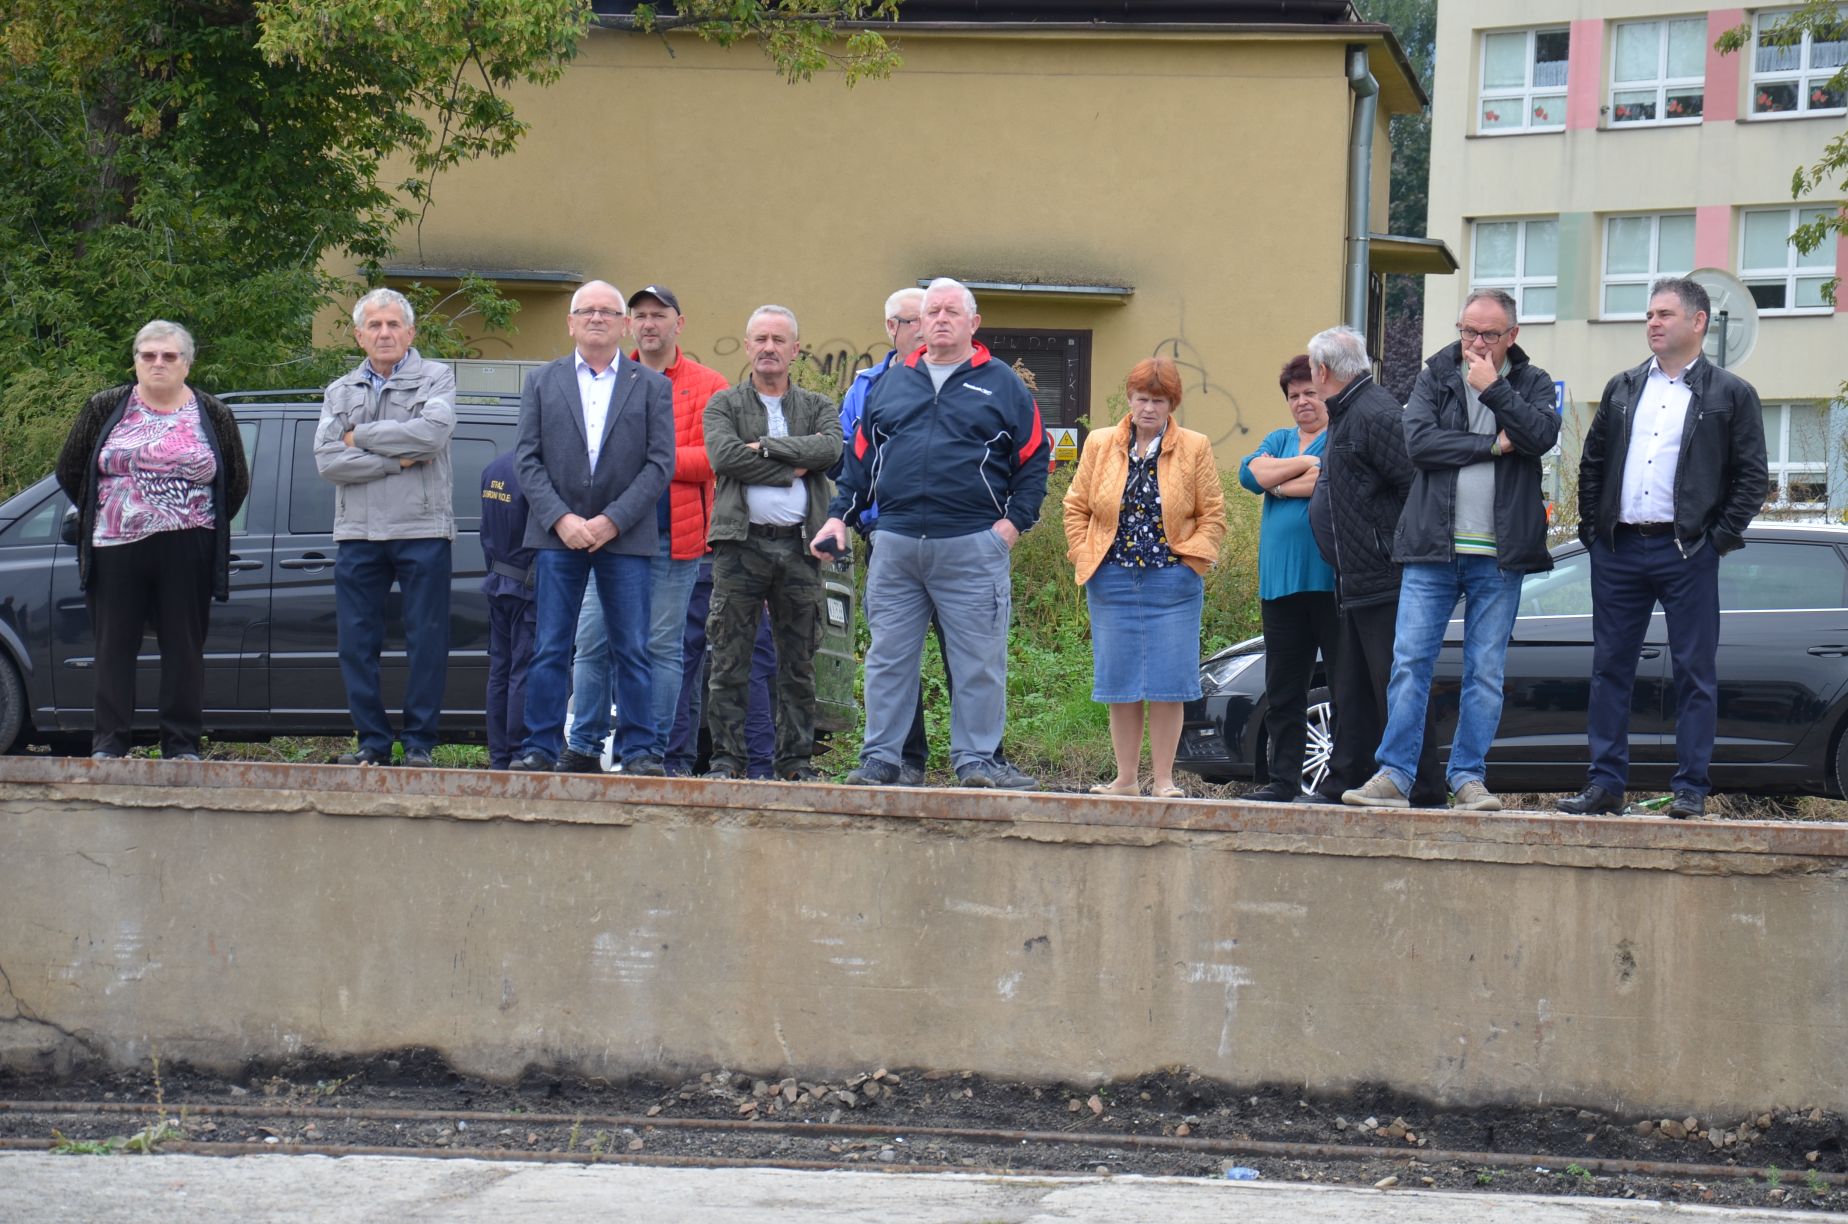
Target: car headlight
x=1218 y=672
x=837 y=611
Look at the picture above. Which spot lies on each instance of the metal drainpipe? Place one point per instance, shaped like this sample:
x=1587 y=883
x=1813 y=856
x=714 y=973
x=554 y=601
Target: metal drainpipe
x=1360 y=187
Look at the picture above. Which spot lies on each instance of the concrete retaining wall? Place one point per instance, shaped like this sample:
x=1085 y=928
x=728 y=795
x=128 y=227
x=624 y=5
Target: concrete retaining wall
x=225 y=913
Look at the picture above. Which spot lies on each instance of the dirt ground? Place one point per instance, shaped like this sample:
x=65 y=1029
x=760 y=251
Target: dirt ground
x=1793 y=1146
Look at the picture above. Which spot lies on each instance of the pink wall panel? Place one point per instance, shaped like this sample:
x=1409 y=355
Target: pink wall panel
x=1722 y=70
x=1713 y=236
x=1584 y=75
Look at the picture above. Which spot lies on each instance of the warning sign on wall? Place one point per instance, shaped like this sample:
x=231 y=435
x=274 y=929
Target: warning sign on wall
x=1064 y=444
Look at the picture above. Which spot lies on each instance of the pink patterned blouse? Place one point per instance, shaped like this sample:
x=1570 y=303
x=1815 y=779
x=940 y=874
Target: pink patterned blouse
x=157 y=474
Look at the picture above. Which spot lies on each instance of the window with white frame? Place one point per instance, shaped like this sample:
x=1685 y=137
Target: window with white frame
x=1637 y=250
x=1522 y=259
x=1783 y=279
x=1794 y=79
x=1523 y=81
x=1659 y=71
x=1797 y=453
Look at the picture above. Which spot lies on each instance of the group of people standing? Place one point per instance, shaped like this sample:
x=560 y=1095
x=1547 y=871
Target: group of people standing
x=1379 y=518
x=642 y=478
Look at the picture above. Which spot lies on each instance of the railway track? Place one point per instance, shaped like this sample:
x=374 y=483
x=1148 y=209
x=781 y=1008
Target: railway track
x=213 y=1128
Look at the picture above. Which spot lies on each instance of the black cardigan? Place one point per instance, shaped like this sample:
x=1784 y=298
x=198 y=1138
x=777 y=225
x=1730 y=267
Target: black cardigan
x=78 y=474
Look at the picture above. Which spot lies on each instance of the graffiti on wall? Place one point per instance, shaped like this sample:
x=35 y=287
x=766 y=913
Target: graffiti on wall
x=1197 y=386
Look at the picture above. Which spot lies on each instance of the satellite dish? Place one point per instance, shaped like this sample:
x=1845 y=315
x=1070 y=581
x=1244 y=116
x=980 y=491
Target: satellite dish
x=1732 y=329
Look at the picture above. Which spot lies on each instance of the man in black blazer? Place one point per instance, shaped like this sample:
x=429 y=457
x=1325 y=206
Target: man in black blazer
x=596 y=450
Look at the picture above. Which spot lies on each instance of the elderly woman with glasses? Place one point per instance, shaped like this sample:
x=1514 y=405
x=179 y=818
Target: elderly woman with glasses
x=156 y=471
x=1143 y=520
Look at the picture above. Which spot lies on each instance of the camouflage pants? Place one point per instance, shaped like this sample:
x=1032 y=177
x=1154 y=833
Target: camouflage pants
x=747 y=574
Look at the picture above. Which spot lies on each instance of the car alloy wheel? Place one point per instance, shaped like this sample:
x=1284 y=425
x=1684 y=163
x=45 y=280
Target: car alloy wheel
x=1320 y=742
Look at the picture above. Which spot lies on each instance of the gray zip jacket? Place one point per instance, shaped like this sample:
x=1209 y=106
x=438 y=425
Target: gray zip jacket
x=375 y=496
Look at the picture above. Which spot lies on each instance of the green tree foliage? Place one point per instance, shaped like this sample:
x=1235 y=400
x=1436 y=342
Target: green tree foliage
x=1822 y=21
x=203 y=160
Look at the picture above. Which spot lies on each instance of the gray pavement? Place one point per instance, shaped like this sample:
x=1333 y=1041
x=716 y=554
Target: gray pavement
x=359 y=1190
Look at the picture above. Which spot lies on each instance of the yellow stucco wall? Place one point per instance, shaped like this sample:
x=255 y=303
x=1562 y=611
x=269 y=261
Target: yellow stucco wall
x=1206 y=171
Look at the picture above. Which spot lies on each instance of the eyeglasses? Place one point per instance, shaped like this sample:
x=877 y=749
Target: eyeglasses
x=1470 y=335
x=596 y=312
x=157 y=358
x=902 y=321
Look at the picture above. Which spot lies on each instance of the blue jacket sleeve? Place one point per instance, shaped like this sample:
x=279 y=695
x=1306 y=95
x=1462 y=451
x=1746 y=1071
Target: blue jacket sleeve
x=1269 y=449
x=1026 y=487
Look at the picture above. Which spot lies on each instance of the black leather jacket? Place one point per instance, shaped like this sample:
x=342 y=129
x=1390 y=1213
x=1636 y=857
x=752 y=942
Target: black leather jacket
x=1720 y=476
x=1439 y=441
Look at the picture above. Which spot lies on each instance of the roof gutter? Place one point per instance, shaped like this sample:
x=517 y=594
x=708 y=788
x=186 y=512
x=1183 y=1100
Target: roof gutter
x=1366 y=92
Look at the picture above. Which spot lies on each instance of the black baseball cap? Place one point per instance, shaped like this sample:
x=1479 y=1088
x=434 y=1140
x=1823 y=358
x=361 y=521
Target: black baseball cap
x=659 y=293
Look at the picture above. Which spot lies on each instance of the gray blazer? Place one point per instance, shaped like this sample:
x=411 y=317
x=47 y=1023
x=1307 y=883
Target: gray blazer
x=634 y=463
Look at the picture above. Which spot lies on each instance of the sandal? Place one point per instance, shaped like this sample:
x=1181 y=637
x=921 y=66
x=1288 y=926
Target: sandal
x=1169 y=792
x=1111 y=788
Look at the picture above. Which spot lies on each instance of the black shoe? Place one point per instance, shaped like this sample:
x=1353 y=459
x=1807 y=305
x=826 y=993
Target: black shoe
x=418 y=758
x=910 y=775
x=573 y=761
x=364 y=756
x=644 y=767
x=531 y=762
x=1316 y=798
x=982 y=774
x=1594 y=800
x=1272 y=792
x=1686 y=805
x=801 y=773
x=875 y=772
x=721 y=772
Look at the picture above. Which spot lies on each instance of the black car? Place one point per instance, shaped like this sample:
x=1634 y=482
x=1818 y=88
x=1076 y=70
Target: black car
x=271 y=657
x=1783 y=674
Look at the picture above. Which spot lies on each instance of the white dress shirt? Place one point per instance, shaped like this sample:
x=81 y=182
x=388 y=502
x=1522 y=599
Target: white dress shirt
x=1655 y=447
x=594 y=390
x=777 y=505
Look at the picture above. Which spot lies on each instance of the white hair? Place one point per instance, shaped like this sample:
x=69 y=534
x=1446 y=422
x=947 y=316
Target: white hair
x=1341 y=351
x=383 y=297
x=896 y=303
x=950 y=282
x=621 y=302
x=161 y=327
x=782 y=312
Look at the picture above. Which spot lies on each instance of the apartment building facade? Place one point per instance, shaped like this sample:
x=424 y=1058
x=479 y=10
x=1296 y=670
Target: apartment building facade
x=1580 y=149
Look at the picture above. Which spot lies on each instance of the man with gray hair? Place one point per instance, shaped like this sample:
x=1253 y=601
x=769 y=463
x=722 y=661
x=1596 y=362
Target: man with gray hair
x=771 y=444
x=952 y=449
x=1474 y=525
x=1365 y=478
x=383 y=440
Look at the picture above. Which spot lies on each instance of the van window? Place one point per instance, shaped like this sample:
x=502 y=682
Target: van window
x=311 y=498
x=39 y=526
x=468 y=455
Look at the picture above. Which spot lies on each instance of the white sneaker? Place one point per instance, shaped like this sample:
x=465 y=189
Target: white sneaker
x=1380 y=791
x=1473 y=796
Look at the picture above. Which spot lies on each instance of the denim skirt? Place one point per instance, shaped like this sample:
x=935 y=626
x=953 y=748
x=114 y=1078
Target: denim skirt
x=1145 y=633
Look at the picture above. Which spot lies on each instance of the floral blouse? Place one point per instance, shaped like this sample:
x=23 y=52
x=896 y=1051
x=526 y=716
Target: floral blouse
x=156 y=474
x=1141 y=542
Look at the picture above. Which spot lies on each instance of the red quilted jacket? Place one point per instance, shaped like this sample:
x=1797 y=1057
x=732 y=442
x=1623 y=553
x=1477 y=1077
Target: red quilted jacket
x=690 y=509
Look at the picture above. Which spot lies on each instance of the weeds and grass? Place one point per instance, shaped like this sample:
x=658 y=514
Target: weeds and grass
x=1485 y=1177
x=1813 y=1181
x=144 y=1141
x=1774 y=1177
x=1581 y=1173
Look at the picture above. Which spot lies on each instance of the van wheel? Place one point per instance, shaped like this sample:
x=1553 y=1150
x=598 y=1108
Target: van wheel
x=12 y=705
x=1839 y=775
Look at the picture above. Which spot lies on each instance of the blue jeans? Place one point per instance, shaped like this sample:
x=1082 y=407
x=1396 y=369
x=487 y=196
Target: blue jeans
x=622 y=592
x=363 y=573
x=1427 y=596
x=670 y=590
x=590 y=678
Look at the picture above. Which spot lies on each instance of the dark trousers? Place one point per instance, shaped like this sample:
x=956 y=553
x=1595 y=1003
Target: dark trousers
x=363 y=573
x=165 y=579
x=748 y=577
x=1363 y=666
x=1627 y=581
x=1295 y=628
x=511 y=622
x=690 y=715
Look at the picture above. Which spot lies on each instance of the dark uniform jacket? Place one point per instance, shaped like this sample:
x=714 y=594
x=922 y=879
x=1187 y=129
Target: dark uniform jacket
x=1720 y=476
x=503 y=531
